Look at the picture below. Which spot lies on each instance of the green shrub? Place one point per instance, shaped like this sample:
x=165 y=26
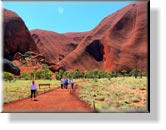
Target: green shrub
x=124 y=72
x=26 y=54
x=114 y=74
x=41 y=74
x=23 y=61
x=25 y=76
x=95 y=79
x=94 y=74
x=8 y=76
x=142 y=74
x=59 y=74
x=87 y=74
x=134 y=72
x=45 y=66
x=107 y=75
x=97 y=74
x=76 y=74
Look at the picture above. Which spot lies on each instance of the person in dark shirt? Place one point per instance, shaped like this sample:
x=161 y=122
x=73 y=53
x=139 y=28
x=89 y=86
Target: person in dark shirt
x=66 y=83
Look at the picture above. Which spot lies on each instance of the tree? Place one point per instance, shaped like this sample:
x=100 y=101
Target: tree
x=8 y=76
x=87 y=74
x=95 y=73
x=26 y=54
x=108 y=75
x=134 y=72
x=59 y=74
x=114 y=74
x=25 y=76
x=124 y=73
x=41 y=74
x=76 y=74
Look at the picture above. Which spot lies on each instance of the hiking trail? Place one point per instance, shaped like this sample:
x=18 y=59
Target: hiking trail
x=59 y=100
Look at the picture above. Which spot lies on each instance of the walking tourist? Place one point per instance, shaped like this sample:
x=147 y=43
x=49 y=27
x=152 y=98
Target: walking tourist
x=33 y=90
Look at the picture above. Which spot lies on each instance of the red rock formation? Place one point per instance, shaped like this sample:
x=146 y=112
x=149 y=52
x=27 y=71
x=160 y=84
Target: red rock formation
x=54 y=46
x=118 y=42
x=17 y=37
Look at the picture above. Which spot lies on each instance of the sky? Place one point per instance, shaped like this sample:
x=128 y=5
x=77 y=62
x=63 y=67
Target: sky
x=63 y=17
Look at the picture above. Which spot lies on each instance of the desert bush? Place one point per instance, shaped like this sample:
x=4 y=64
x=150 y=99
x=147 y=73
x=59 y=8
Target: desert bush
x=95 y=74
x=87 y=74
x=95 y=79
x=74 y=74
x=108 y=75
x=23 y=61
x=77 y=74
x=134 y=72
x=26 y=54
x=142 y=74
x=114 y=74
x=8 y=76
x=45 y=66
x=59 y=74
x=124 y=73
x=41 y=74
x=25 y=76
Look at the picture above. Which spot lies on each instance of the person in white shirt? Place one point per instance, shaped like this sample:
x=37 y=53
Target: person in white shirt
x=72 y=83
x=62 y=83
x=33 y=90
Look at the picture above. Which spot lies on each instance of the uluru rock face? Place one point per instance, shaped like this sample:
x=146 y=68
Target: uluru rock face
x=54 y=46
x=118 y=42
x=17 y=37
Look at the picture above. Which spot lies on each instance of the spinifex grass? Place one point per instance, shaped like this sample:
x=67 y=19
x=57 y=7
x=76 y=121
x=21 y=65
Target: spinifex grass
x=122 y=94
x=20 y=89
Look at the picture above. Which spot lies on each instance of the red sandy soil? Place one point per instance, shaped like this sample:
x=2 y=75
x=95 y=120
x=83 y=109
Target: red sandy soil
x=60 y=100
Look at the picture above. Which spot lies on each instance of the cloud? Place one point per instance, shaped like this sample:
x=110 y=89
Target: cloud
x=60 y=10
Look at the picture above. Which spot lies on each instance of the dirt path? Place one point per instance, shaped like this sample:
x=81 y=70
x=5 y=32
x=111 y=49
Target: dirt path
x=60 y=100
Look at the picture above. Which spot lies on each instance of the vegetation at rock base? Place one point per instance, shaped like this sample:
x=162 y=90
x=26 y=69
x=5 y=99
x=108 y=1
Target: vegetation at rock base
x=97 y=74
x=25 y=55
x=41 y=74
x=8 y=76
